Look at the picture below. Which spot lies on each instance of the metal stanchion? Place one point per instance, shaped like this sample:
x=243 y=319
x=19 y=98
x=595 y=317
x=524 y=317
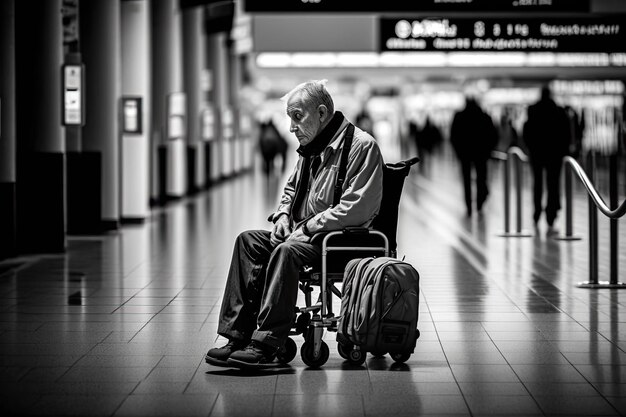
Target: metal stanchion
x=593 y=242
x=613 y=169
x=569 y=207
x=507 y=197
x=518 y=201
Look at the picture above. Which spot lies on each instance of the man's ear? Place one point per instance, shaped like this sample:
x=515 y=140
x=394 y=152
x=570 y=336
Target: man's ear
x=322 y=110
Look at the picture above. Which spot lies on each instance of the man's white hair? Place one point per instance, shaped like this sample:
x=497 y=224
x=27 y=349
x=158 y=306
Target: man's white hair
x=314 y=93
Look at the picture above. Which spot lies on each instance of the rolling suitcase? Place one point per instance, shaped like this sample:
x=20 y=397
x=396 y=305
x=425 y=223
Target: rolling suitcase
x=379 y=309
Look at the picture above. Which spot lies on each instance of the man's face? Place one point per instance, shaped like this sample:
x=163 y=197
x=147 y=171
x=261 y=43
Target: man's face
x=306 y=121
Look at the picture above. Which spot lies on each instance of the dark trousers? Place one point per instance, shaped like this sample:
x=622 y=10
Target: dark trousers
x=552 y=170
x=262 y=288
x=482 y=190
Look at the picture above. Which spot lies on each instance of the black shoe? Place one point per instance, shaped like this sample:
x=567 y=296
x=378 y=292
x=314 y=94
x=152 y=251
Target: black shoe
x=256 y=355
x=219 y=356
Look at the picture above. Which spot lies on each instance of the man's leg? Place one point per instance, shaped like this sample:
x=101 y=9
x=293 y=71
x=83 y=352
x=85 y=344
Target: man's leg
x=244 y=286
x=537 y=190
x=242 y=296
x=482 y=189
x=466 y=172
x=279 y=299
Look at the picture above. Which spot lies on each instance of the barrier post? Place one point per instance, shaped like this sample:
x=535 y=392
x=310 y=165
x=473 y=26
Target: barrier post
x=593 y=237
x=593 y=229
x=569 y=207
x=507 y=197
x=613 y=179
x=518 y=194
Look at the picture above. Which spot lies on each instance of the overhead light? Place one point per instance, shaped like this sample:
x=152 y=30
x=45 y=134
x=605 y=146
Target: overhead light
x=357 y=59
x=486 y=59
x=436 y=59
x=313 y=59
x=273 y=60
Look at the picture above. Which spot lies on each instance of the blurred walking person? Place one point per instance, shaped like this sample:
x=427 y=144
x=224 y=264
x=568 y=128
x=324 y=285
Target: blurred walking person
x=272 y=144
x=547 y=137
x=473 y=136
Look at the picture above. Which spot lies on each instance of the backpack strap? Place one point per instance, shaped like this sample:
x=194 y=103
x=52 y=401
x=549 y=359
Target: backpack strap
x=343 y=164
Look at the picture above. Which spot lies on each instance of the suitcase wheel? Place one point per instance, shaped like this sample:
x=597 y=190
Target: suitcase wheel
x=357 y=356
x=344 y=349
x=400 y=357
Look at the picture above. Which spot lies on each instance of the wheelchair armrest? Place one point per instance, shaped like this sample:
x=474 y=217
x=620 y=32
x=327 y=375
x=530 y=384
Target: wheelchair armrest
x=350 y=230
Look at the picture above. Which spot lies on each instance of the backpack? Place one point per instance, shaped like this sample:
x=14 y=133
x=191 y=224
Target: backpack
x=379 y=306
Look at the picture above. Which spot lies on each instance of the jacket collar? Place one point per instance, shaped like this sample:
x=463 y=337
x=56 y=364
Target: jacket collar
x=325 y=137
x=337 y=140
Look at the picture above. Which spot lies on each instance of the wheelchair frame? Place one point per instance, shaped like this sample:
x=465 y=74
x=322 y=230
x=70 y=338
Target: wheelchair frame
x=314 y=351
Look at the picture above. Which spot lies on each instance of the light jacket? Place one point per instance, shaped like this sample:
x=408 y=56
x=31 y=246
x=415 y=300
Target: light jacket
x=362 y=189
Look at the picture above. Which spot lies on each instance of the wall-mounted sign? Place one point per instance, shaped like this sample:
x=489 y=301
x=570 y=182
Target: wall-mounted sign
x=416 y=6
x=587 y=87
x=72 y=95
x=176 y=115
x=584 y=34
x=131 y=115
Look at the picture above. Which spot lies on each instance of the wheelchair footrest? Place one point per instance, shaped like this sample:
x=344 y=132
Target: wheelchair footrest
x=313 y=308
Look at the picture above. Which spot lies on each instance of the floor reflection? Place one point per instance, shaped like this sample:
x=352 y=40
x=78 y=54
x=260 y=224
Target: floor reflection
x=120 y=323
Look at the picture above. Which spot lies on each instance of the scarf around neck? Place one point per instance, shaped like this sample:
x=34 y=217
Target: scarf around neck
x=321 y=141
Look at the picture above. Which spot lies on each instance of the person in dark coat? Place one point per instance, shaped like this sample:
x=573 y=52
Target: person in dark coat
x=271 y=145
x=473 y=136
x=547 y=137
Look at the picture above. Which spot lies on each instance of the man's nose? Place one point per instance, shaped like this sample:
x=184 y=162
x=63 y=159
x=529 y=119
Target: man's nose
x=293 y=127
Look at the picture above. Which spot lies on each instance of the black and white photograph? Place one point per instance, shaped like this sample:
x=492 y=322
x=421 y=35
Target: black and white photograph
x=312 y=208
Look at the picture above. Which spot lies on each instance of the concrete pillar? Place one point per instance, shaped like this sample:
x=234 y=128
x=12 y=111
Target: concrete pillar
x=8 y=243
x=136 y=110
x=193 y=55
x=100 y=43
x=222 y=102
x=40 y=169
x=168 y=142
x=213 y=146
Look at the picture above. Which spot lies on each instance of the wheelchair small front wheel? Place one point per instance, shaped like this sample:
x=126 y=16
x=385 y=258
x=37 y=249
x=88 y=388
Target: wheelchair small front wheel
x=344 y=349
x=357 y=357
x=307 y=353
x=288 y=351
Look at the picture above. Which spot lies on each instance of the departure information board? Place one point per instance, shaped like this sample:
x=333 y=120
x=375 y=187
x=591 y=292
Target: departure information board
x=278 y=6
x=585 y=34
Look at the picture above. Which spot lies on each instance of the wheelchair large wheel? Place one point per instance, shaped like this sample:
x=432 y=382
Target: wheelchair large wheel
x=400 y=357
x=308 y=357
x=288 y=351
x=357 y=357
x=344 y=349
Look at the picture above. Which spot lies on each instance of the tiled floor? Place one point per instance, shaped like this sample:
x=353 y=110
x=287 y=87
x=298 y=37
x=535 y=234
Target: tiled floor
x=118 y=326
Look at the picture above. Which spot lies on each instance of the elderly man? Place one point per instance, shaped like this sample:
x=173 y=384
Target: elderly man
x=258 y=306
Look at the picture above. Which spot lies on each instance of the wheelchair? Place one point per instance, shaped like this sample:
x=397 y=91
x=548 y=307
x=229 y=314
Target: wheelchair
x=339 y=247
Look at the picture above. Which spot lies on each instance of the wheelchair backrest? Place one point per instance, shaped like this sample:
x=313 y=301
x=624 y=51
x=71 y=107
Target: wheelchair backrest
x=393 y=181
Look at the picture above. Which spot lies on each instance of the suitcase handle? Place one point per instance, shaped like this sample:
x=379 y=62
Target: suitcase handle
x=355 y=230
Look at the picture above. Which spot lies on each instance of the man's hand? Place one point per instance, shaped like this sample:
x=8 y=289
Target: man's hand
x=281 y=230
x=299 y=236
